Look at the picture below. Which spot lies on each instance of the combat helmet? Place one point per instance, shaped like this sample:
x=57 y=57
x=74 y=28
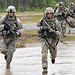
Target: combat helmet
x=49 y=10
x=61 y=3
x=57 y=5
x=72 y=4
x=11 y=9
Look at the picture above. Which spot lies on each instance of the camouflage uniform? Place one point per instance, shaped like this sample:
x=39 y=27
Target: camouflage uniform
x=49 y=38
x=8 y=42
x=71 y=10
x=56 y=7
x=62 y=17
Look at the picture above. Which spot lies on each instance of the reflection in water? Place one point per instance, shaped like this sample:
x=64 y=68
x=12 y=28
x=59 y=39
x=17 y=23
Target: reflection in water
x=53 y=73
x=44 y=73
x=47 y=73
x=8 y=72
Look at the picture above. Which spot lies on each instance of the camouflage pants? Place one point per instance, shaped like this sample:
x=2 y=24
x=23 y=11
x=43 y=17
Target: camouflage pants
x=8 y=47
x=63 y=27
x=45 y=48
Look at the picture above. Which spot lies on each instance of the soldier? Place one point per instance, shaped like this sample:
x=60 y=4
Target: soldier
x=72 y=7
x=56 y=7
x=10 y=29
x=61 y=16
x=48 y=31
x=71 y=12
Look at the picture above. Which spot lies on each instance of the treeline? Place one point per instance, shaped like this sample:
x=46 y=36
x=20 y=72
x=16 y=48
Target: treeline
x=29 y=5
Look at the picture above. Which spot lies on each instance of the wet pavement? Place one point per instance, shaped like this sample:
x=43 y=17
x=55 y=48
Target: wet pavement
x=27 y=61
x=30 y=26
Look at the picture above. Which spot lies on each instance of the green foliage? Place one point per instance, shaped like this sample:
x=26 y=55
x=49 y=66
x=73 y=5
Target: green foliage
x=52 y=4
x=31 y=5
x=19 y=8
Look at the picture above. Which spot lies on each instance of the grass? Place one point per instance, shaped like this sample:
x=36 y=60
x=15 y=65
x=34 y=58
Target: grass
x=30 y=36
x=27 y=17
x=68 y=38
x=32 y=32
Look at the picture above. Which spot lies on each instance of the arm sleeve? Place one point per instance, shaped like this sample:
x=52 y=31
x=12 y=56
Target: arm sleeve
x=58 y=26
x=20 y=26
x=2 y=19
x=57 y=13
x=1 y=23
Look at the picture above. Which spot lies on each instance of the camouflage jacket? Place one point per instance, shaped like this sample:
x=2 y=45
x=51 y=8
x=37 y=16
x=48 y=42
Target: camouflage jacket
x=44 y=29
x=59 y=13
x=14 y=22
x=71 y=10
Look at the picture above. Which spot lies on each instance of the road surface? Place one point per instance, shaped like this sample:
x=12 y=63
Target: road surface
x=27 y=61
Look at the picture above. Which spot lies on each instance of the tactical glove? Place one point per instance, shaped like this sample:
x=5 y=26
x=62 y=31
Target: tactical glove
x=40 y=28
x=45 y=28
x=13 y=33
x=6 y=27
x=58 y=33
x=53 y=34
x=63 y=13
x=17 y=34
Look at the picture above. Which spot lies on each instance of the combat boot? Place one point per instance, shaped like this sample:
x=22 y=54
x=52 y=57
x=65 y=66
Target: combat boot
x=64 y=34
x=52 y=60
x=8 y=66
x=5 y=57
x=44 y=71
x=69 y=32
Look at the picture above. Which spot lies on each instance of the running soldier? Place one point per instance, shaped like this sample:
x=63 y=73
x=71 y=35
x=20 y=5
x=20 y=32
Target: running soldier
x=48 y=30
x=10 y=29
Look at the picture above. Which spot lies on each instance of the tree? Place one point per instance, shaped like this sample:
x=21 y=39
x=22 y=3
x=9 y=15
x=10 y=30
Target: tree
x=23 y=5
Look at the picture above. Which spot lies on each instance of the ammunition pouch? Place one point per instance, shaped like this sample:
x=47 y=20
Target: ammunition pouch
x=6 y=33
x=47 y=33
x=53 y=34
x=43 y=33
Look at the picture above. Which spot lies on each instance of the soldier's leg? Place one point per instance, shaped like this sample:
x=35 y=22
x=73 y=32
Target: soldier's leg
x=53 y=51
x=69 y=29
x=3 y=47
x=44 y=54
x=64 y=28
x=53 y=54
x=11 y=49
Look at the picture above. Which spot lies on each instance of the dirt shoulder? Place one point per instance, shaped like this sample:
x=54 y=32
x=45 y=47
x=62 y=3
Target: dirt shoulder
x=28 y=38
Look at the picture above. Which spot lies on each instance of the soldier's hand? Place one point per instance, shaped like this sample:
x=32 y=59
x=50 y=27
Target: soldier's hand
x=63 y=13
x=53 y=33
x=6 y=27
x=46 y=28
x=16 y=33
x=74 y=15
x=58 y=33
x=12 y=32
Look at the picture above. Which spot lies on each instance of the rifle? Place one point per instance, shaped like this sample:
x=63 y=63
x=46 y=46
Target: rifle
x=13 y=33
x=71 y=14
x=65 y=15
x=52 y=29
